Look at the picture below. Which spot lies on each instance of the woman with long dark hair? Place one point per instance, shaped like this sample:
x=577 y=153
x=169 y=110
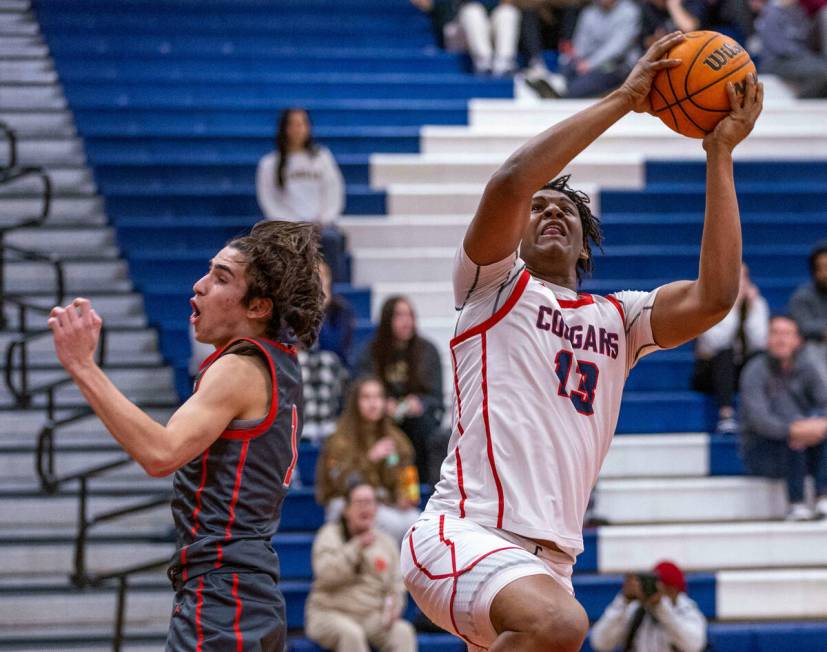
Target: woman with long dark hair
x=410 y=370
x=368 y=447
x=300 y=181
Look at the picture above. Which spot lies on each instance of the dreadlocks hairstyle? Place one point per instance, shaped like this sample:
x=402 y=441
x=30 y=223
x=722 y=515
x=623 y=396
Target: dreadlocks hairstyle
x=592 y=232
x=283 y=266
x=281 y=142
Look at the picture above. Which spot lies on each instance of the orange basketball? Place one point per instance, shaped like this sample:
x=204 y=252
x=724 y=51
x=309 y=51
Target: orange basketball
x=691 y=98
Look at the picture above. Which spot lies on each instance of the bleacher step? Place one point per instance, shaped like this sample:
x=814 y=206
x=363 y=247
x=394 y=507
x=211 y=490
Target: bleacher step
x=674 y=500
x=541 y=114
x=80 y=276
x=69 y=181
x=123 y=310
x=390 y=170
x=87 y=209
x=789 y=143
x=714 y=546
x=69 y=239
x=39 y=124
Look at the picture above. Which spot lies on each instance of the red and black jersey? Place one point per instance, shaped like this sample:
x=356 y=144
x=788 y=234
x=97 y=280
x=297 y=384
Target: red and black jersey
x=227 y=501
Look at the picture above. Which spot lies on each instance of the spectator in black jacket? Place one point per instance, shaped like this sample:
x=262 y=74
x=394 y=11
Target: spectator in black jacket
x=411 y=371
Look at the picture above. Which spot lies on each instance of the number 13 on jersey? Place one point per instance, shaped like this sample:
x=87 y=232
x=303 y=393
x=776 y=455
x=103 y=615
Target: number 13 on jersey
x=581 y=398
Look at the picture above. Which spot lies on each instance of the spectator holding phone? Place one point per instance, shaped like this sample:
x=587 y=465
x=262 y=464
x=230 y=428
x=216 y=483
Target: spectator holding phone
x=652 y=613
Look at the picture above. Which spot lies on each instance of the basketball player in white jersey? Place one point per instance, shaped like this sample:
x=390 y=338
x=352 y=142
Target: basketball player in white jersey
x=538 y=378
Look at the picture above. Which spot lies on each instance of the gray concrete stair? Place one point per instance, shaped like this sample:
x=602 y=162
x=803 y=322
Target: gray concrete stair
x=72 y=239
x=20 y=96
x=154 y=385
x=33 y=123
x=56 y=604
x=35 y=552
x=86 y=209
x=123 y=310
x=65 y=181
x=81 y=276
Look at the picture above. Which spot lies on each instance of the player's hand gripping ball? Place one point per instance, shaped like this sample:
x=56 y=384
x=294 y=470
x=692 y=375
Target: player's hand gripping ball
x=691 y=98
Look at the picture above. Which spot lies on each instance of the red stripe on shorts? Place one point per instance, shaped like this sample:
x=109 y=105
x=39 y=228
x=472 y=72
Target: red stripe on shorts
x=239 y=639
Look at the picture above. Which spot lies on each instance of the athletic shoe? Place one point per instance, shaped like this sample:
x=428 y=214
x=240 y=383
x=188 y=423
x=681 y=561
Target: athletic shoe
x=727 y=426
x=800 y=512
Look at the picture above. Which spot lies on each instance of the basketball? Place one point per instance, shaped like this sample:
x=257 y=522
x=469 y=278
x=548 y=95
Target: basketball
x=691 y=98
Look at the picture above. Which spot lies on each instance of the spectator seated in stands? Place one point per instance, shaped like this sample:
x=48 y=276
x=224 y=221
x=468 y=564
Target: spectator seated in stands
x=786 y=33
x=652 y=613
x=817 y=10
x=443 y=15
x=660 y=17
x=604 y=48
x=722 y=351
x=783 y=407
x=300 y=181
x=411 y=371
x=492 y=32
x=357 y=596
x=366 y=444
x=336 y=334
x=324 y=381
x=808 y=305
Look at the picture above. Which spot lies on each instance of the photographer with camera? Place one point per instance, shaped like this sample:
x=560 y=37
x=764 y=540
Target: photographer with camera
x=652 y=613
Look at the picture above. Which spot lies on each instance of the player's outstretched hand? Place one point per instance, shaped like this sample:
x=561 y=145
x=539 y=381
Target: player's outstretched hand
x=76 y=330
x=741 y=119
x=639 y=82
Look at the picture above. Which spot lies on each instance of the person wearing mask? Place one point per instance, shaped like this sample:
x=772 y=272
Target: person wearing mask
x=300 y=182
x=652 y=613
x=357 y=596
x=411 y=371
x=784 y=417
x=366 y=444
x=722 y=351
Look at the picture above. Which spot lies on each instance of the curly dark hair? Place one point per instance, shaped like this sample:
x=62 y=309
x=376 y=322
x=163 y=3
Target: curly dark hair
x=592 y=233
x=283 y=266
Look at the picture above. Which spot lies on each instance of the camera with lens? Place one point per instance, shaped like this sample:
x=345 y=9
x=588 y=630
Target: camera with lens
x=648 y=584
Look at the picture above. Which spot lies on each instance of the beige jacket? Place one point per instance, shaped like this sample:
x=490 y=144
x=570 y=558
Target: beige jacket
x=350 y=579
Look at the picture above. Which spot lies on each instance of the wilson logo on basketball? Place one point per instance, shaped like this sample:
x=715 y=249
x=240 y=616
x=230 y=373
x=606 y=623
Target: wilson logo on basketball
x=717 y=58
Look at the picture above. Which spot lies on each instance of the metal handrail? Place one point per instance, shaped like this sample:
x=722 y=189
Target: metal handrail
x=10 y=174
x=24 y=393
x=56 y=263
x=11 y=137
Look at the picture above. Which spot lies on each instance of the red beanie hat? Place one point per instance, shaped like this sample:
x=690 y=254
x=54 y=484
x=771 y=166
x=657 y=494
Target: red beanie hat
x=671 y=575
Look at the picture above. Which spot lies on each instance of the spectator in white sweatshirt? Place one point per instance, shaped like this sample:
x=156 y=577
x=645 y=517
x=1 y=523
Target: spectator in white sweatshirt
x=651 y=614
x=300 y=181
x=723 y=350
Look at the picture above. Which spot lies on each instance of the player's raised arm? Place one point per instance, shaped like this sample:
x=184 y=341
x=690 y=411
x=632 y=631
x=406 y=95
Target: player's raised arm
x=685 y=309
x=503 y=212
x=224 y=393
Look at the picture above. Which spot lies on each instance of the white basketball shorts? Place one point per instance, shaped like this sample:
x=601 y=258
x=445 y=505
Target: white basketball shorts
x=454 y=568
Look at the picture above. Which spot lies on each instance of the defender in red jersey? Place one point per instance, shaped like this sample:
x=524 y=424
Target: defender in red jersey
x=233 y=444
x=539 y=371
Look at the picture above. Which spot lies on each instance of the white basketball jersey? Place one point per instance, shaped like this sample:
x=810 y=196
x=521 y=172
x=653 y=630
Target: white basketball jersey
x=538 y=378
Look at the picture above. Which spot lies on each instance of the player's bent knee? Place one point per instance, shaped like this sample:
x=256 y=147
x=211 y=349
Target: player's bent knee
x=564 y=630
